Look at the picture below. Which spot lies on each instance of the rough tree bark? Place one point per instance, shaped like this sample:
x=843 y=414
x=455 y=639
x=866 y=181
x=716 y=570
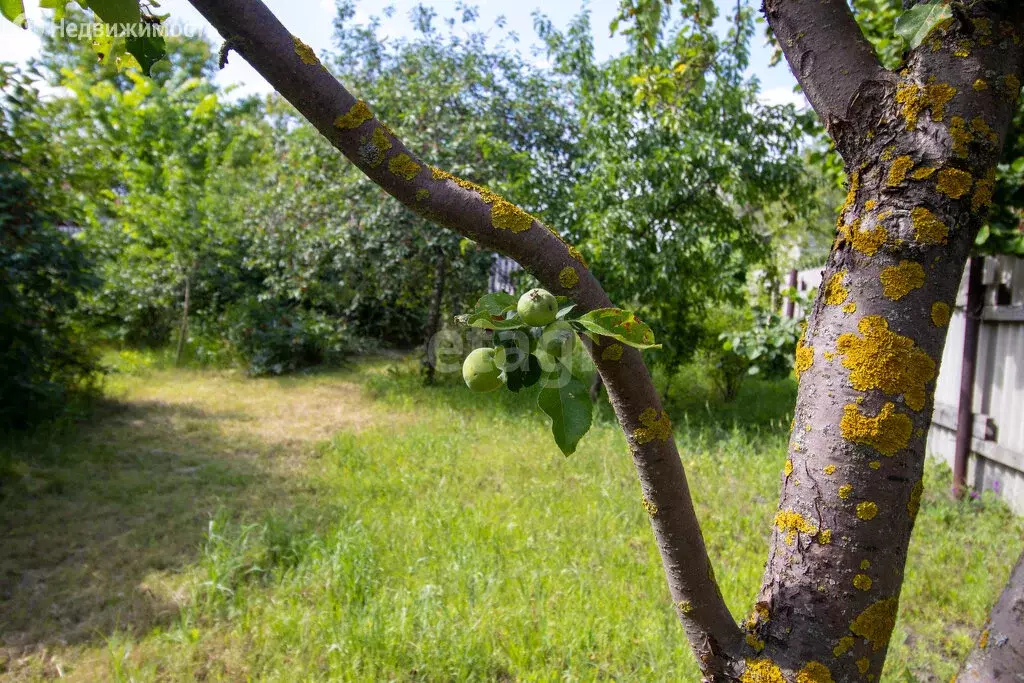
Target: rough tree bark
x=920 y=147
x=999 y=654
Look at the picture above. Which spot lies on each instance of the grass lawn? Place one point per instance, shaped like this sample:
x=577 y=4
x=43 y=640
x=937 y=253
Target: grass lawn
x=354 y=525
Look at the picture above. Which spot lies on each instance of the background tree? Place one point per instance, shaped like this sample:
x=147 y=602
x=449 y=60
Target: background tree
x=675 y=157
x=43 y=273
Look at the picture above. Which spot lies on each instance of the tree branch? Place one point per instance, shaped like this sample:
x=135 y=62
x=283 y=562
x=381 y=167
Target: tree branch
x=293 y=69
x=827 y=52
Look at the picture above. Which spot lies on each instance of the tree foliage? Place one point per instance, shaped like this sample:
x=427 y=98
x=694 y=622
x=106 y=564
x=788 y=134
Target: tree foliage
x=43 y=274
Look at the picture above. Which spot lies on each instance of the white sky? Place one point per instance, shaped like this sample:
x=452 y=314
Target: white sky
x=312 y=20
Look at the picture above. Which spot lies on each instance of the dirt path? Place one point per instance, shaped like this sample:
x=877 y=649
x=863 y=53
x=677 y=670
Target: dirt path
x=100 y=521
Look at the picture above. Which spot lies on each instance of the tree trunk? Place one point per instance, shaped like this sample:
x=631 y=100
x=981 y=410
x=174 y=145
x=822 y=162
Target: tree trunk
x=999 y=654
x=183 y=330
x=434 y=318
x=595 y=387
x=920 y=148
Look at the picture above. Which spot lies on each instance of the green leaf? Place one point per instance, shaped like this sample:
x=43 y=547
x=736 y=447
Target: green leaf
x=916 y=23
x=489 y=313
x=525 y=376
x=486 y=321
x=14 y=10
x=148 y=50
x=495 y=303
x=564 y=311
x=621 y=325
x=117 y=11
x=567 y=403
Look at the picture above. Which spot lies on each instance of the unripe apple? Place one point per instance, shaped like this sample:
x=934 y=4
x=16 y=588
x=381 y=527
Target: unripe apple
x=480 y=372
x=537 y=307
x=558 y=339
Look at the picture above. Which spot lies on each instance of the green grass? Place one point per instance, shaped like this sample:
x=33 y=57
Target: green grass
x=206 y=526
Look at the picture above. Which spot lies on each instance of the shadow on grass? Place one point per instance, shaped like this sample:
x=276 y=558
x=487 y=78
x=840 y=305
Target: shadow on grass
x=100 y=517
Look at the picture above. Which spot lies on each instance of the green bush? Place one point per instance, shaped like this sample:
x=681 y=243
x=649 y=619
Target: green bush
x=271 y=338
x=42 y=274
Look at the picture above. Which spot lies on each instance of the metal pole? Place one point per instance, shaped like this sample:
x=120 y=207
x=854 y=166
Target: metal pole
x=965 y=411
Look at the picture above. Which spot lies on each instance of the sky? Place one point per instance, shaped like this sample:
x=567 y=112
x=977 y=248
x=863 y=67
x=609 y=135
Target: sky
x=312 y=20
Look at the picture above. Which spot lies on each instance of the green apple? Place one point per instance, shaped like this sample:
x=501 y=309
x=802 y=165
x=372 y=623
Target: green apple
x=558 y=339
x=480 y=372
x=537 y=307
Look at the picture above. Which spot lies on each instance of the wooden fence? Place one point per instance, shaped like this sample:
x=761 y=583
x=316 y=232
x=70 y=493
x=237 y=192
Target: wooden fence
x=996 y=460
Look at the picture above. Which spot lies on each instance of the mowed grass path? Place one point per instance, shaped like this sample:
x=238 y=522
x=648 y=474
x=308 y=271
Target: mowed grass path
x=355 y=525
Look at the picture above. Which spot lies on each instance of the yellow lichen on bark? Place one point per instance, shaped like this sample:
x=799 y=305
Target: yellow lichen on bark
x=829 y=469
x=762 y=671
x=900 y=280
x=867 y=510
x=403 y=166
x=940 y=314
x=804 y=358
x=923 y=173
x=914 y=503
x=983 y=191
x=305 y=52
x=865 y=241
x=862 y=582
x=983 y=131
x=845 y=490
x=875 y=624
x=613 y=352
x=835 y=293
x=356 y=116
x=887 y=361
x=887 y=432
x=567 y=277
x=844 y=645
x=914 y=99
x=788 y=468
x=790 y=523
x=928 y=229
x=960 y=136
x=507 y=216
x=654 y=427
x=954 y=183
x=814 y=672
x=754 y=642
x=863 y=664
x=898 y=170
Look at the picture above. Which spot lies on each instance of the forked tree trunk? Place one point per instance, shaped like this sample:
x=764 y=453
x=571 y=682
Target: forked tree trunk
x=999 y=653
x=920 y=147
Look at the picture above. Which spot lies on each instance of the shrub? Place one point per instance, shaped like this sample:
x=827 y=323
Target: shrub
x=43 y=360
x=271 y=338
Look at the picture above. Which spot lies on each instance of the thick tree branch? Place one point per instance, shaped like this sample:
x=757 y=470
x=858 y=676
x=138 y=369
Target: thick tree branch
x=294 y=71
x=827 y=53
